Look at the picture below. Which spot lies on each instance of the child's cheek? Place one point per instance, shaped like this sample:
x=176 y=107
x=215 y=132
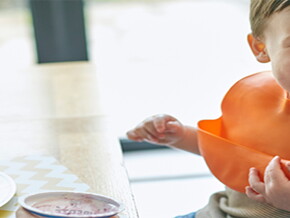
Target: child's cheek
x=281 y=68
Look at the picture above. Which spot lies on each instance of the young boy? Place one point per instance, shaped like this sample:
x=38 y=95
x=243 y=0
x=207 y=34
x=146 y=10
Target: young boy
x=241 y=147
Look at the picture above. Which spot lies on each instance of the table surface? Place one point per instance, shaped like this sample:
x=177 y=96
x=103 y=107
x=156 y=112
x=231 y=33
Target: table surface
x=54 y=109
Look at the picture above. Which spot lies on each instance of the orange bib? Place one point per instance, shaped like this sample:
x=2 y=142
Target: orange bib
x=254 y=127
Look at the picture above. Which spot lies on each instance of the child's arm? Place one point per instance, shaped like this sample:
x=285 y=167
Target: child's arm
x=275 y=189
x=166 y=130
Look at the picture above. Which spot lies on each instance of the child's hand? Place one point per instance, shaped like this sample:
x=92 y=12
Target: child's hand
x=159 y=129
x=275 y=189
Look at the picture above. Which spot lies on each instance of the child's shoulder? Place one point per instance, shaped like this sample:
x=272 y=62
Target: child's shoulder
x=256 y=80
x=259 y=87
x=257 y=83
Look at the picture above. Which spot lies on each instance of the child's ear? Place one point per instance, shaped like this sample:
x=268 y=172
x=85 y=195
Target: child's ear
x=258 y=49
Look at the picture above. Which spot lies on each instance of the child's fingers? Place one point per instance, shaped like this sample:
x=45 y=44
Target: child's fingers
x=133 y=136
x=254 y=195
x=160 y=122
x=136 y=134
x=288 y=165
x=145 y=133
x=173 y=126
x=151 y=129
x=255 y=181
x=139 y=134
x=273 y=172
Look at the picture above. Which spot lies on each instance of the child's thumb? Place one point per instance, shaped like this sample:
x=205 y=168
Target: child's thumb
x=173 y=126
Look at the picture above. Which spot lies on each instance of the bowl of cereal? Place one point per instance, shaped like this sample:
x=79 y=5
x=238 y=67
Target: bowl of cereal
x=64 y=204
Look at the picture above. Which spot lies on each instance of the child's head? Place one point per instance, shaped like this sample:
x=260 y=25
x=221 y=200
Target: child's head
x=261 y=11
x=270 y=38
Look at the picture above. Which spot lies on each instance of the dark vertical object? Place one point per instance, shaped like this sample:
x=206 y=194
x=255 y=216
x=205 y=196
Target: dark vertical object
x=59 y=30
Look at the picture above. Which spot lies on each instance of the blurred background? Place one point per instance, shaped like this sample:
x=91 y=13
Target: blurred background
x=152 y=56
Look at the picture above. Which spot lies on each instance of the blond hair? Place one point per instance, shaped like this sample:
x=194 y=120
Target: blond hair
x=261 y=10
